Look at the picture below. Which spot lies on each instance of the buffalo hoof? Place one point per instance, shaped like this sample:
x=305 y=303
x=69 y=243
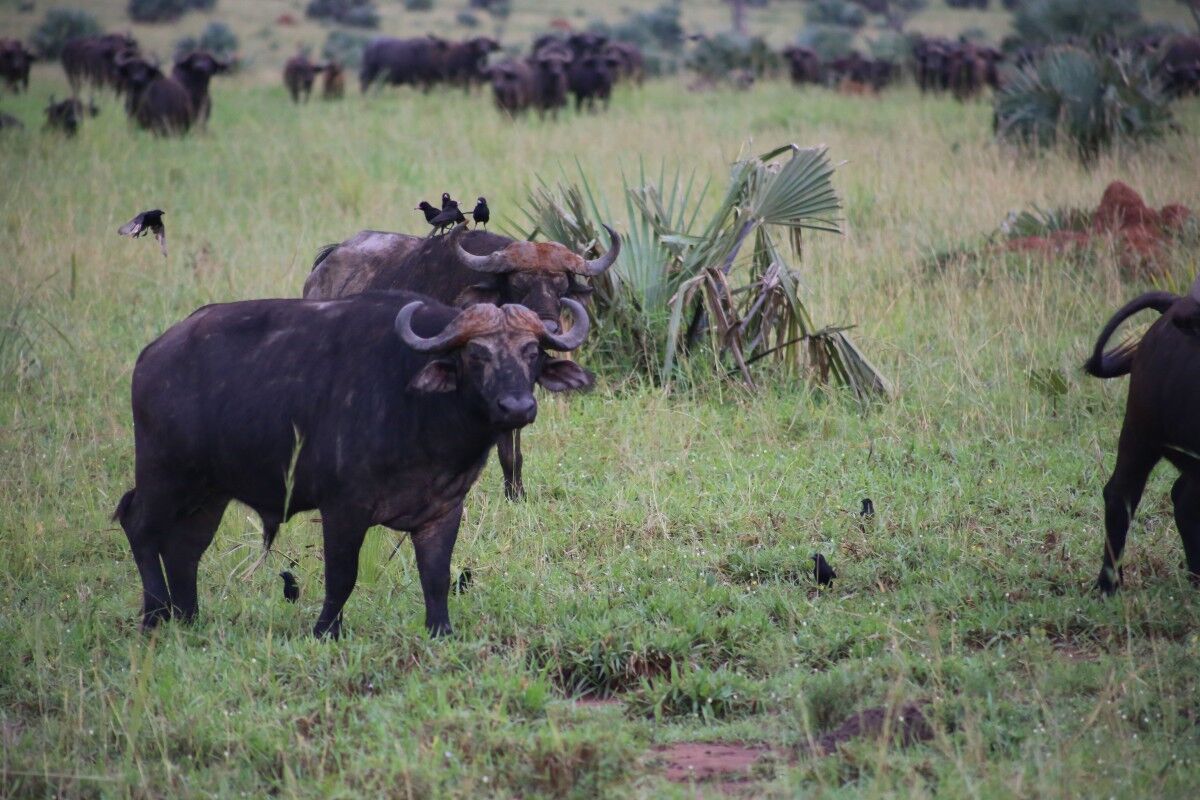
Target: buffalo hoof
x=514 y=490
x=153 y=617
x=330 y=630
x=1109 y=581
x=438 y=629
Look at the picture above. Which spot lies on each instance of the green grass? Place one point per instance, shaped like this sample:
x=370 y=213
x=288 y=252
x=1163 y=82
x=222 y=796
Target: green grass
x=663 y=553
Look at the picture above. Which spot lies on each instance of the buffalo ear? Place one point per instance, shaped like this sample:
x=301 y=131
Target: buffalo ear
x=435 y=377
x=561 y=375
x=479 y=293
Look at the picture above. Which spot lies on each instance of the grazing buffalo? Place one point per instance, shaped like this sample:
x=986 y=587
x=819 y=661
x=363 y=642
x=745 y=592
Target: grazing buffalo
x=66 y=116
x=1179 y=68
x=377 y=410
x=465 y=63
x=417 y=62
x=92 y=60
x=299 y=74
x=804 y=65
x=1160 y=421
x=15 y=61
x=461 y=269
x=333 y=86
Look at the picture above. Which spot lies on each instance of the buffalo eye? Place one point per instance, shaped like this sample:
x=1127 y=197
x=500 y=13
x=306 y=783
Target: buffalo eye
x=478 y=354
x=531 y=351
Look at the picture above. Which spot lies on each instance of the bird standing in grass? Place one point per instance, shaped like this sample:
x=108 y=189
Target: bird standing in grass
x=868 y=508
x=291 y=589
x=822 y=571
x=481 y=212
x=147 y=222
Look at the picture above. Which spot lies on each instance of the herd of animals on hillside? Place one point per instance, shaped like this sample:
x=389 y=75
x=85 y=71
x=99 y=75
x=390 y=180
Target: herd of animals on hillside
x=453 y=330
x=557 y=68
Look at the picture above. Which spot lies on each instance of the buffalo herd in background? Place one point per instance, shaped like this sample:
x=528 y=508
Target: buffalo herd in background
x=558 y=67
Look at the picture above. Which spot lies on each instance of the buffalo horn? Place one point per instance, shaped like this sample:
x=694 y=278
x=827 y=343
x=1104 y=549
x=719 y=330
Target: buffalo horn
x=572 y=338
x=597 y=265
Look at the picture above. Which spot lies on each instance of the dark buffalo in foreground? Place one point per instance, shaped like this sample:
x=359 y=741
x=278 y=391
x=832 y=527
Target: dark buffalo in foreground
x=299 y=75
x=461 y=269
x=377 y=410
x=1160 y=422
x=92 y=60
x=15 y=61
x=416 y=62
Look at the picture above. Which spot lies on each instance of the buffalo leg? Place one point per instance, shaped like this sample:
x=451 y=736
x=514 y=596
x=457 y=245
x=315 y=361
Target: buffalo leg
x=1122 y=494
x=508 y=450
x=181 y=550
x=433 y=545
x=144 y=519
x=343 y=534
x=1186 y=496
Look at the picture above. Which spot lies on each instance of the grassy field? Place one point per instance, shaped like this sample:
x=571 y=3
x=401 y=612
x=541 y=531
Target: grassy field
x=663 y=555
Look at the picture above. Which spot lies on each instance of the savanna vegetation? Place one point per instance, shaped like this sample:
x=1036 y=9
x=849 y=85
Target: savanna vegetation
x=662 y=561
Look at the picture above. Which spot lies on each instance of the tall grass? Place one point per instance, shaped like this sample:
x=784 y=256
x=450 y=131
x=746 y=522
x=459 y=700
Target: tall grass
x=666 y=539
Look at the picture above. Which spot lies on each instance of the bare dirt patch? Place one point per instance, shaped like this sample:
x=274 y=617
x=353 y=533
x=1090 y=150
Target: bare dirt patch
x=702 y=762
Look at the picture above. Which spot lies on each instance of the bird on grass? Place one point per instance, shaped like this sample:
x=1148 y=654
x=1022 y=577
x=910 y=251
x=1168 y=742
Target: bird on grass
x=463 y=582
x=147 y=222
x=868 y=508
x=481 y=212
x=822 y=571
x=291 y=589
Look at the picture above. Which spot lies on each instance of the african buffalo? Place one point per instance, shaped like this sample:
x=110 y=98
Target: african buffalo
x=512 y=85
x=333 y=86
x=418 y=62
x=631 y=64
x=193 y=72
x=461 y=269
x=804 y=65
x=1160 y=421
x=377 y=410
x=93 y=59
x=10 y=123
x=15 y=61
x=465 y=63
x=1179 y=68
x=591 y=77
x=65 y=116
x=299 y=74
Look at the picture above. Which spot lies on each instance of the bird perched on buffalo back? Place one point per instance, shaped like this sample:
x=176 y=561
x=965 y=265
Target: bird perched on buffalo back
x=481 y=212
x=291 y=589
x=450 y=215
x=147 y=222
x=447 y=201
x=822 y=571
x=428 y=209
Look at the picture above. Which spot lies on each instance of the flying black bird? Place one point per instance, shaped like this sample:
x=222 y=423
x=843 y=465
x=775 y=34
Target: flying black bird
x=463 y=582
x=147 y=222
x=291 y=589
x=868 y=508
x=822 y=571
x=428 y=209
x=481 y=212
x=447 y=217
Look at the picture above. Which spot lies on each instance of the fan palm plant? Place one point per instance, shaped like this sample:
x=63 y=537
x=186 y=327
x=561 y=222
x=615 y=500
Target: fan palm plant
x=680 y=280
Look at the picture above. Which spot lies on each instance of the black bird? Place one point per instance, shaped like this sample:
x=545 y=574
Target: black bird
x=447 y=217
x=822 y=571
x=481 y=212
x=447 y=202
x=147 y=222
x=428 y=209
x=291 y=589
x=463 y=582
x=868 y=508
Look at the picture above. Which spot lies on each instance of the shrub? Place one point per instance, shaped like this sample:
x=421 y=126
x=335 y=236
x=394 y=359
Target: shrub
x=166 y=10
x=1045 y=21
x=716 y=56
x=466 y=19
x=1088 y=101
x=344 y=47
x=59 y=26
x=418 y=5
x=217 y=38
x=828 y=41
x=355 y=13
x=835 y=12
